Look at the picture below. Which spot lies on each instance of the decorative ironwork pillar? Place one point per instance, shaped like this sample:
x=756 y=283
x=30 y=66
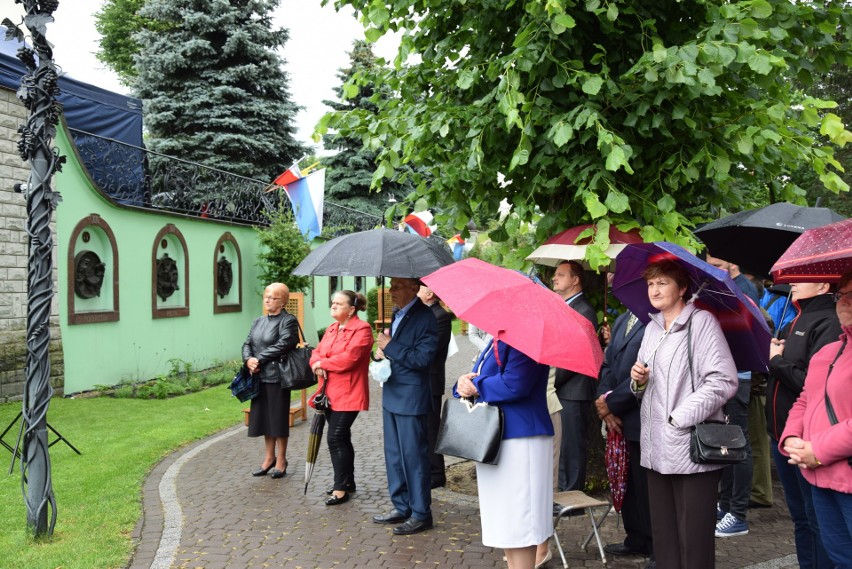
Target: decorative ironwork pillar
x=38 y=93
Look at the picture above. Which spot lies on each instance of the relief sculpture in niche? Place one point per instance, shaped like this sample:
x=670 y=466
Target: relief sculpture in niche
x=167 y=276
x=88 y=274
x=224 y=277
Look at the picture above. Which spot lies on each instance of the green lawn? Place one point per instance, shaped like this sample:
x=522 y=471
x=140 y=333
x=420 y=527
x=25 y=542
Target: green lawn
x=98 y=493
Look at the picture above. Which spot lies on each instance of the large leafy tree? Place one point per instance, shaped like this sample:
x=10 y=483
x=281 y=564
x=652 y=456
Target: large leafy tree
x=619 y=111
x=118 y=21
x=351 y=167
x=213 y=87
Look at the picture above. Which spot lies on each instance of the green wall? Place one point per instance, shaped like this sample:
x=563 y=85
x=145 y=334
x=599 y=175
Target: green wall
x=137 y=346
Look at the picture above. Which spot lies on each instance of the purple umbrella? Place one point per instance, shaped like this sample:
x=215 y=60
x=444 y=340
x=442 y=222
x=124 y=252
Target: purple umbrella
x=713 y=290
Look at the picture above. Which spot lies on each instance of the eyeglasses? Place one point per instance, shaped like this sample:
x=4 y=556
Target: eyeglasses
x=840 y=295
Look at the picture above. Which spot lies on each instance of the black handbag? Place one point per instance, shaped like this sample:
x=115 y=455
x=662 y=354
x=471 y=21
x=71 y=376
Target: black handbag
x=244 y=386
x=713 y=442
x=717 y=443
x=295 y=368
x=470 y=430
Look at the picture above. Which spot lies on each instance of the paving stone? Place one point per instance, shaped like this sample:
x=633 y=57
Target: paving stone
x=233 y=520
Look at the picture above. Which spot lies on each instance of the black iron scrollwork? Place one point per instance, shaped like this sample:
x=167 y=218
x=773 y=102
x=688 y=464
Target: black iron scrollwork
x=224 y=277
x=88 y=274
x=167 y=277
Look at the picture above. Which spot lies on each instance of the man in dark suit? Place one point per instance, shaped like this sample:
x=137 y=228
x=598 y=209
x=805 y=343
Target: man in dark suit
x=437 y=372
x=410 y=345
x=575 y=391
x=618 y=407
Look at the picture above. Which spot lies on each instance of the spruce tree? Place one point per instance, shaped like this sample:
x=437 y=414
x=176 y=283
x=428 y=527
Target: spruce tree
x=214 y=89
x=351 y=168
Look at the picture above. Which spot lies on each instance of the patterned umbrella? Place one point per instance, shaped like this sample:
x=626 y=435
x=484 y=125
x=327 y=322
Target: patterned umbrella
x=616 y=467
x=821 y=254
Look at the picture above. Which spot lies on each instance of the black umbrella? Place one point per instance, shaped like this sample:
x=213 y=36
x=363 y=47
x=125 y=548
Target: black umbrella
x=756 y=238
x=377 y=253
x=315 y=435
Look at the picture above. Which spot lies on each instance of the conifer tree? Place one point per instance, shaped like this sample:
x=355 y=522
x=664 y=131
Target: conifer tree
x=350 y=170
x=213 y=87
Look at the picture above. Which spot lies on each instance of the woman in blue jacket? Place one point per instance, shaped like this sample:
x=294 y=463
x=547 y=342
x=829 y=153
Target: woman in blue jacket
x=516 y=494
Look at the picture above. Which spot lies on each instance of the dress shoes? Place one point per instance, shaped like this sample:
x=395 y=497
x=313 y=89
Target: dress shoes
x=330 y=489
x=334 y=500
x=392 y=517
x=275 y=473
x=262 y=471
x=412 y=526
x=621 y=549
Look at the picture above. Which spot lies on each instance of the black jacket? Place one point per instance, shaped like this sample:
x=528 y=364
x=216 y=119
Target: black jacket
x=271 y=338
x=816 y=326
x=571 y=385
x=619 y=357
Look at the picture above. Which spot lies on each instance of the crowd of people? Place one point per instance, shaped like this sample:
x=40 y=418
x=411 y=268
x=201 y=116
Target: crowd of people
x=658 y=380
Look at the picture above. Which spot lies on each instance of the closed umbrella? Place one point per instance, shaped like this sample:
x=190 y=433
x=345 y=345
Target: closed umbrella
x=513 y=308
x=822 y=254
x=377 y=253
x=756 y=238
x=315 y=434
x=616 y=457
x=713 y=290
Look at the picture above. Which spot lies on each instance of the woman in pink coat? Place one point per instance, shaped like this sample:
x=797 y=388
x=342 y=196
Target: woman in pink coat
x=818 y=434
x=341 y=360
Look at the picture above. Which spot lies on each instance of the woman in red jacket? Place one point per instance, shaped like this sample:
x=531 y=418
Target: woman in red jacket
x=341 y=360
x=818 y=435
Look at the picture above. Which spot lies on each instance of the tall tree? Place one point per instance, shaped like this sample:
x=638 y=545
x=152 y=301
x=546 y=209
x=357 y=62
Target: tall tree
x=213 y=87
x=118 y=21
x=351 y=168
x=622 y=111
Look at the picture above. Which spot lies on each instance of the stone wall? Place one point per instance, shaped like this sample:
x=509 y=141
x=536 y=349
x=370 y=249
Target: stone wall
x=13 y=262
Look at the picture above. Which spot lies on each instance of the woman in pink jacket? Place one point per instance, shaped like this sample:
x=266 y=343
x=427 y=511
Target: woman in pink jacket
x=818 y=434
x=341 y=360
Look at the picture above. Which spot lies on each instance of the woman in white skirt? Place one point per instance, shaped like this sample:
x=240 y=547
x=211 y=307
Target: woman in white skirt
x=516 y=494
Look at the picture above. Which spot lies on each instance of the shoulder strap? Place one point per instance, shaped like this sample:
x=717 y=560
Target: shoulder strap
x=689 y=350
x=829 y=408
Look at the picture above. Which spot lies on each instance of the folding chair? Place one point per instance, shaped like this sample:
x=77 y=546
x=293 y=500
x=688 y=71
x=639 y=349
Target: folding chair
x=573 y=500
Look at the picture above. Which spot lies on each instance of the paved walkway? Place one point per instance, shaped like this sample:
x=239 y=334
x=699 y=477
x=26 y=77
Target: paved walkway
x=202 y=509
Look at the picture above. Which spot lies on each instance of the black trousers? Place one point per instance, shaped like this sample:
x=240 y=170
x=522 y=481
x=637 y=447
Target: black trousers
x=683 y=519
x=635 y=510
x=339 y=439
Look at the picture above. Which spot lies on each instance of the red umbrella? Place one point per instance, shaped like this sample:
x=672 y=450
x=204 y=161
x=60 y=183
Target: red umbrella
x=515 y=309
x=616 y=467
x=821 y=254
x=565 y=246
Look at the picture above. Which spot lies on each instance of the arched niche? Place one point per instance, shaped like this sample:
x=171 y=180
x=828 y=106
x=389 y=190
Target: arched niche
x=227 y=275
x=92 y=287
x=169 y=274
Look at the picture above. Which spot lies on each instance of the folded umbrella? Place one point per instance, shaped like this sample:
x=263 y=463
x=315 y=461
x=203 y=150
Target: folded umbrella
x=616 y=456
x=513 y=308
x=713 y=290
x=377 y=253
x=315 y=434
x=756 y=238
x=822 y=254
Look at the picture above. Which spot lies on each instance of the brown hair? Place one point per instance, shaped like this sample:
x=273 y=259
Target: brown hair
x=672 y=270
x=844 y=280
x=356 y=299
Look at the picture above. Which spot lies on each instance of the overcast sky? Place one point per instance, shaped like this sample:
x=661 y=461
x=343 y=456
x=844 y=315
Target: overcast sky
x=319 y=41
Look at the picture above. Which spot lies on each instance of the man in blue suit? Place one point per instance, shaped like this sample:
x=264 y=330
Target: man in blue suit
x=410 y=346
x=618 y=407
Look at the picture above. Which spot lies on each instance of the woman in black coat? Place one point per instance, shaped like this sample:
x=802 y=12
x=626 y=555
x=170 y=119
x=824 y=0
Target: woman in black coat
x=271 y=337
